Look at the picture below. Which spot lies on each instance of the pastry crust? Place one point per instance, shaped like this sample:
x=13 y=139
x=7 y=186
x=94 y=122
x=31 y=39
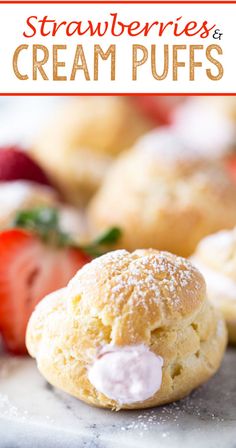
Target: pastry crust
x=216 y=258
x=82 y=139
x=164 y=196
x=124 y=299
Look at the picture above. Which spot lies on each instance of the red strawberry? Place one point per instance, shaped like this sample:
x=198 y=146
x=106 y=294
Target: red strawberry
x=231 y=167
x=30 y=269
x=37 y=258
x=18 y=165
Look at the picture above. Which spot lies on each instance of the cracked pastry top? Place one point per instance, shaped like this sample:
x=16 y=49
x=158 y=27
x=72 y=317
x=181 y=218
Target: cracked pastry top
x=131 y=330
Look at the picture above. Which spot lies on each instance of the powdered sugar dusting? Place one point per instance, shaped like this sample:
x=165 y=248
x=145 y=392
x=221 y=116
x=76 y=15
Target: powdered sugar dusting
x=9 y=410
x=172 y=414
x=144 y=278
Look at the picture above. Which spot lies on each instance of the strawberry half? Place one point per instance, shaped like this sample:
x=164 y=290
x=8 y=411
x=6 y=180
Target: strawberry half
x=30 y=269
x=37 y=258
x=16 y=164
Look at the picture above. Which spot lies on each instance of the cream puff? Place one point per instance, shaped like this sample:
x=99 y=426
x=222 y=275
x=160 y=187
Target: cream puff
x=131 y=330
x=163 y=194
x=215 y=257
x=79 y=143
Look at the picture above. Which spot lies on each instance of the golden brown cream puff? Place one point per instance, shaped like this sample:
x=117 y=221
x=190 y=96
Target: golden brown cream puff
x=164 y=195
x=131 y=330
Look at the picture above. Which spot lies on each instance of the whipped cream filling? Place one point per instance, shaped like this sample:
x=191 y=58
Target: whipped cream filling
x=219 y=286
x=126 y=374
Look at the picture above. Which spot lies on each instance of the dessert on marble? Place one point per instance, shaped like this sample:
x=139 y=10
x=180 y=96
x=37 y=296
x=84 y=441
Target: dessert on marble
x=82 y=139
x=164 y=195
x=215 y=257
x=131 y=330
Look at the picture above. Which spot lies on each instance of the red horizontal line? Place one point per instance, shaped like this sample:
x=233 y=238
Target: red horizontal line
x=119 y=2
x=117 y=94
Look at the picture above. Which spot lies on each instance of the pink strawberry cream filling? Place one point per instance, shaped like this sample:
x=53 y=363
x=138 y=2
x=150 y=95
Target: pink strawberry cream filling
x=127 y=374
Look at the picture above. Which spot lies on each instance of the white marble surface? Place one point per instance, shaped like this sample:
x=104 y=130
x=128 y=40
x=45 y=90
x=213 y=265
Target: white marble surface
x=35 y=415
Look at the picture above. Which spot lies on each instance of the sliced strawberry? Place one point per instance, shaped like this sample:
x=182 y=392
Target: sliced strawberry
x=30 y=269
x=37 y=258
x=18 y=165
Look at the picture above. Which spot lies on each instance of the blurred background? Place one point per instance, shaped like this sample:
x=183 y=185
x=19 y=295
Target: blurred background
x=77 y=141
